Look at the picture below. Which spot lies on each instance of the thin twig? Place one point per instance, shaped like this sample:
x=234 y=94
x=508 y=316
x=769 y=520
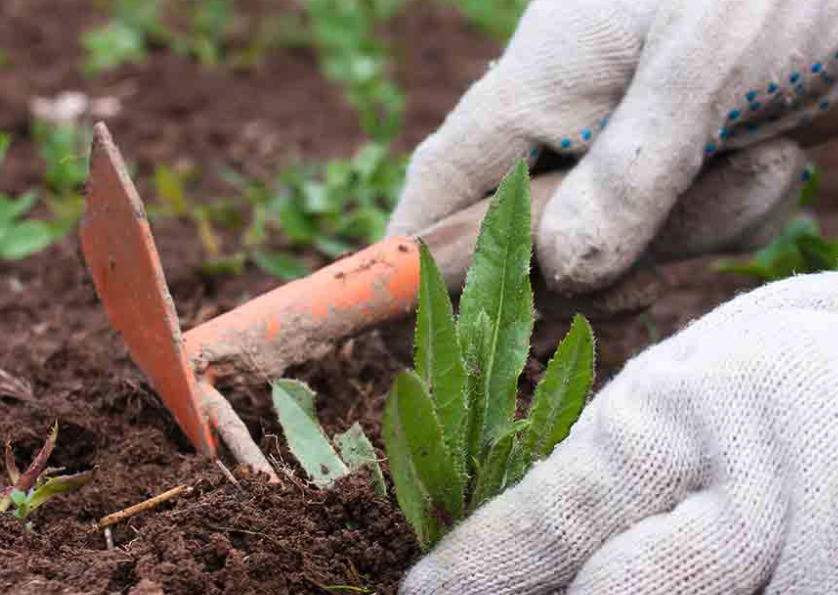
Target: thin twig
x=127 y=513
x=228 y=475
x=109 y=538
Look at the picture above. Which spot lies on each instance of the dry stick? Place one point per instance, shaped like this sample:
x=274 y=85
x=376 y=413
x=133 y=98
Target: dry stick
x=230 y=477
x=127 y=513
x=234 y=433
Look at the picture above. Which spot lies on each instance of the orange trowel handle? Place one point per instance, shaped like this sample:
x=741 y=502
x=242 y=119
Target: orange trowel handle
x=301 y=320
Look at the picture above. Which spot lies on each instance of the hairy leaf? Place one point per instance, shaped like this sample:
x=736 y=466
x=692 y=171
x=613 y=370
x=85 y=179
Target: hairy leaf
x=294 y=405
x=561 y=394
x=411 y=495
x=357 y=451
x=438 y=359
x=476 y=338
x=499 y=284
x=492 y=476
x=433 y=463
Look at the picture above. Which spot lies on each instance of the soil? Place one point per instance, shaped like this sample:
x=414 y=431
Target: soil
x=287 y=538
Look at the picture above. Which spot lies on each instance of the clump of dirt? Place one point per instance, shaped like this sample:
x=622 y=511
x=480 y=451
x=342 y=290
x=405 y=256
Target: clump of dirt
x=288 y=538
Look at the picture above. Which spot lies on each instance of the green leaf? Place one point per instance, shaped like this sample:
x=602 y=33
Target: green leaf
x=499 y=284
x=316 y=198
x=411 y=494
x=13 y=209
x=233 y=264
x=296 y=224
x=434 y=463
x=281 y=265
x=560 y=396
x=492 y=476
x=111 y=46
x=357 y=451
x=818 y=254
x=476 y=342
x=21 y=502
x=5 y=143
x=25 y=239
x=169 y=187
x=367 y=223
x=368 y=159
x=779 y=259
x=438 y=359
x=294 y=405
x=301 y=395
x=142 y=15
x=63 y=484
x=331 y=247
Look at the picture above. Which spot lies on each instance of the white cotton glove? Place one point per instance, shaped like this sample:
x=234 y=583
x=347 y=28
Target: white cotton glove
x=707 y=467
x=676 y=81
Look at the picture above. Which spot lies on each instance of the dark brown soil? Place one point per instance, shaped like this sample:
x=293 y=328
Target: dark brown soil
x=289 y=538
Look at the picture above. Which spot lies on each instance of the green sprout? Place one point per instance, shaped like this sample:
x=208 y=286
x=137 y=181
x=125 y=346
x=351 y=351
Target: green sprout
x=125 y=38
x=333 y=207
x=294 y=403
x=35 y=486
x=497 y=18
x=343 y=31
x=21 y=236
x=449 y=426
x=65 y=149
x=798 y=249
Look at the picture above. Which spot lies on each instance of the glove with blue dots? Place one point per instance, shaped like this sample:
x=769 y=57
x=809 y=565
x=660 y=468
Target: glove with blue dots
x=645 y=93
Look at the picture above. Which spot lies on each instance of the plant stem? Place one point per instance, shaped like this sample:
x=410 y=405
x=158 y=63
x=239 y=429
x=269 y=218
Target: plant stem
x=234 y=433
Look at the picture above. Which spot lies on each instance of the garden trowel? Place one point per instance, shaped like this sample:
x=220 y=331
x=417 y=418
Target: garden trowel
x=296 y=322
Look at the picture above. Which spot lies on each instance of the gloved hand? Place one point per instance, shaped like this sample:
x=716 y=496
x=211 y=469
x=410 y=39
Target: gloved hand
x=707 y=466
x=644 y=91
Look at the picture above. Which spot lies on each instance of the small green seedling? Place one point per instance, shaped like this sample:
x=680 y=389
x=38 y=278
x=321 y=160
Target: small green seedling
x=343 y=31
x=134 y=25
x=65 y=149
x=498 y=18
x=449 y=426
x=20 y=236
x=333 y=207
x=294 y=405
x=32 y=488
x=800 y=248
